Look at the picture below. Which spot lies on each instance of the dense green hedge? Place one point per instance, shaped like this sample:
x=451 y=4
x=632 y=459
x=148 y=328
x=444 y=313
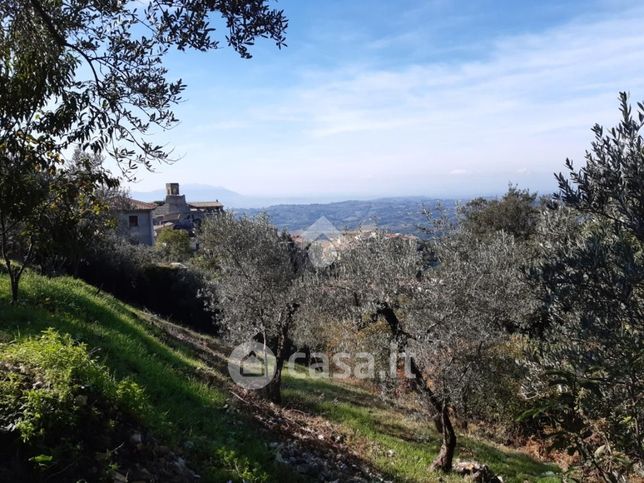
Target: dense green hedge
x=133 y=274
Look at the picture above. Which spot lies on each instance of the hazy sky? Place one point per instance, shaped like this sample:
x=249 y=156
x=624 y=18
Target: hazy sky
x=418 y=97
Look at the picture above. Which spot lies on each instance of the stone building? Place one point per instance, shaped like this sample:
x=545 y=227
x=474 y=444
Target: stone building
x=139 y=221
x=135 y=220
x=178 y=213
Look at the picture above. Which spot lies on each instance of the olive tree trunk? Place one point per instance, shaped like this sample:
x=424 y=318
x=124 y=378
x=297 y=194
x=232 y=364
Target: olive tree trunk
x=273 y=391
x=443 y=461
x=442 y=421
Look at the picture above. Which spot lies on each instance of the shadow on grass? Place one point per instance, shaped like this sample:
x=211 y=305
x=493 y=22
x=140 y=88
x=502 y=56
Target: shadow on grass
x=520 y=466
x=401 y=447
x=314 y=388
x=204 y=348
x=186 y=411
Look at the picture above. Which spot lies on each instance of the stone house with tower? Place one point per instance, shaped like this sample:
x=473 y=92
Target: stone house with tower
x=177 y=213
x=174 y=212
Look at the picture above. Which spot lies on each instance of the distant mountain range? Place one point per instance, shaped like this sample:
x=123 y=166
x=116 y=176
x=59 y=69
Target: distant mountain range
x=231 y=199
x=199 y=192
x=396 y=214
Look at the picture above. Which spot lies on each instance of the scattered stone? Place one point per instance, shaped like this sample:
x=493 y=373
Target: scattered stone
x=316 y=466
x=476 y=472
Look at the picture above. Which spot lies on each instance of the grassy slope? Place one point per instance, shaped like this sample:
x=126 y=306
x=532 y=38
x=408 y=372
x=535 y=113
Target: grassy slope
x=188 y=411
x=400 y=446
x=225 y=444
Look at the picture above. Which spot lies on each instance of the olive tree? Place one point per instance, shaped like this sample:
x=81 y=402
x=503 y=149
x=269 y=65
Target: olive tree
x=91 y=73
x=259 y=284
x=448 y=315
x=470 y=302
x=588 y=360
x=516 y=213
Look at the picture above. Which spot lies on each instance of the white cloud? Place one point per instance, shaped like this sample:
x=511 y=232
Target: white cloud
x=532 y=101
x=522 y=109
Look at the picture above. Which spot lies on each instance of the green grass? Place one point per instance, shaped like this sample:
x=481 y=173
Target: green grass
x=186 y=410
x=228 y=445
x=400 y=445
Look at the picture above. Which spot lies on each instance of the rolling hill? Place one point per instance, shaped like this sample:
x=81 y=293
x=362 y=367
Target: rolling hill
x=395 y=215
x=198 y=421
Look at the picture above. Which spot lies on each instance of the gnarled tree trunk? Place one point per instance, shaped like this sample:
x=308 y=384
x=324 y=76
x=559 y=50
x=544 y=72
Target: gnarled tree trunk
x=443 y=461
x=273 y=391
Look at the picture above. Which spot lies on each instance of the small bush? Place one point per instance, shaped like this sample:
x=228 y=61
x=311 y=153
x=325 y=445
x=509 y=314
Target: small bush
x=173 y=245
x=61 y=413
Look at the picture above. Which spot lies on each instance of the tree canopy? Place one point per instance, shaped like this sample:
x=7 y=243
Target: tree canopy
x=91 y=72
x=590 y=280
x=516 y=213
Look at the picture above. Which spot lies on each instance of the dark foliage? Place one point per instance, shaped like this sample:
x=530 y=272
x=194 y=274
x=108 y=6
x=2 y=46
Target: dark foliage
x=132 y=273
x=591 y=317
x=516 y=213
x=611 y=184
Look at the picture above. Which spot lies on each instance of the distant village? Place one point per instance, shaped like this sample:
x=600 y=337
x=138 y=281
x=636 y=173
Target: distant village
x=140 y=221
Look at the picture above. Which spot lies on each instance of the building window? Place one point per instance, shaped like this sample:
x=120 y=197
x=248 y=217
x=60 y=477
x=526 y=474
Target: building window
x=134 y=221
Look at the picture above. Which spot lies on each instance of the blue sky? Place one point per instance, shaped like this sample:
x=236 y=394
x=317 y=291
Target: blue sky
x=408 y=97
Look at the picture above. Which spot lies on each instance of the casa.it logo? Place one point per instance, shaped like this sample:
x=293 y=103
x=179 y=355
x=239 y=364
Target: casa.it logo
x=251 y=365
x=322 y=241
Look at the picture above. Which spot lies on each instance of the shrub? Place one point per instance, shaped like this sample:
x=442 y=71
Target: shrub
x=61 y=412
x=516 y=213
x=134 y=274
x=173 y=245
